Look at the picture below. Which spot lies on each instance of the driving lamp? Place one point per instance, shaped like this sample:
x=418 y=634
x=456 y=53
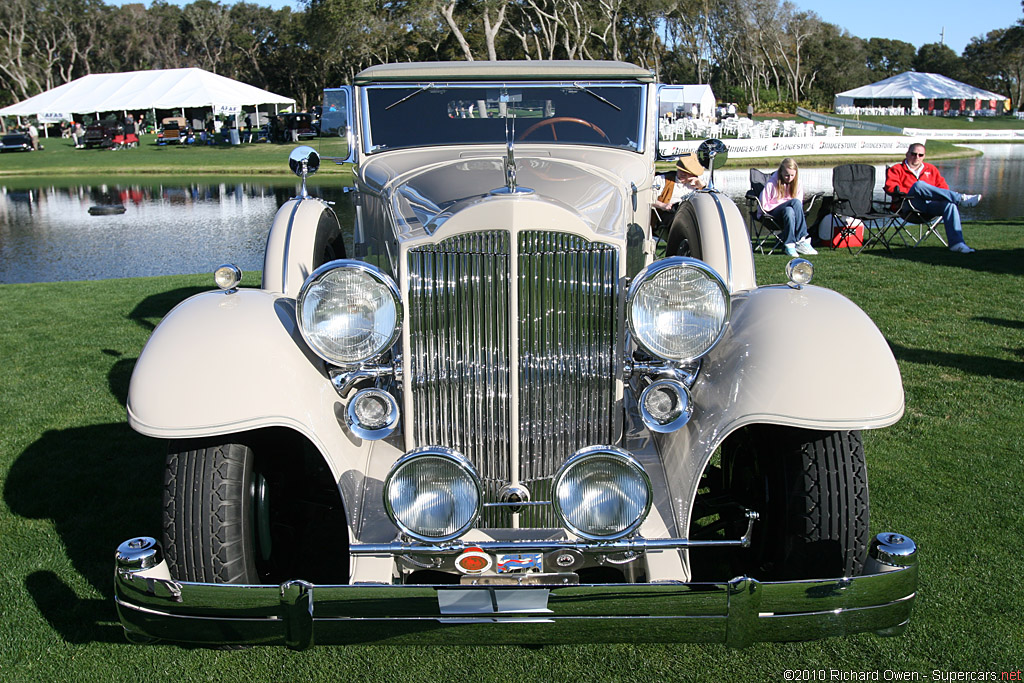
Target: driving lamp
x=372 y=414
x=601 y=493
x=349 y=312
x=678 y=309
x=432 y=494
x=665 y=406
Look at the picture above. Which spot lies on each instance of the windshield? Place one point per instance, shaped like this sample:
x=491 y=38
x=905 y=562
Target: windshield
x=427 y=115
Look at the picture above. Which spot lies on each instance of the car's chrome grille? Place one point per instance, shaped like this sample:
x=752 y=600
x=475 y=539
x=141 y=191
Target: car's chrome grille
x=461 y=341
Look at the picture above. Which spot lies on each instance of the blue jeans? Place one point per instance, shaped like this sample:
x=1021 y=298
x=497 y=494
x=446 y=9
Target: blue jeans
x=934 y=201
x=790 y=214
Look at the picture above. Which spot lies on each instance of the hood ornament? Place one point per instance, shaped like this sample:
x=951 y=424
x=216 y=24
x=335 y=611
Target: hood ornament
x=510 y=162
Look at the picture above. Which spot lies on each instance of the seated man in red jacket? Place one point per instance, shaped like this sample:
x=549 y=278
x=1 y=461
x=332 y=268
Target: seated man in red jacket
x=930 y=194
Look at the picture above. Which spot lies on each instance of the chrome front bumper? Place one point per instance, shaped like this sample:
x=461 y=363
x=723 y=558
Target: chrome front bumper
x=152 y=606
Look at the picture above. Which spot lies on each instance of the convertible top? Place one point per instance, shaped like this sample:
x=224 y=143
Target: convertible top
x=511 y=70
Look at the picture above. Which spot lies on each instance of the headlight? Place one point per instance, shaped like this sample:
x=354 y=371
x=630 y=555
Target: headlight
x=678 y=308
x=349 y=312
x=602 y=493
x=432 y=494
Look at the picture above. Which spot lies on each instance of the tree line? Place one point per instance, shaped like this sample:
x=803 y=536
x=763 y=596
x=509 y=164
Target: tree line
x=766 y=52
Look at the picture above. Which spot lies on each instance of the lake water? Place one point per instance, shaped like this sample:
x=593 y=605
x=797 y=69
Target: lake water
x=174 y=227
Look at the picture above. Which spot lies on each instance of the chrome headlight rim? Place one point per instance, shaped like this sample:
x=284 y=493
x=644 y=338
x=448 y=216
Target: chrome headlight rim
x=442 y=452
x=651 y=271
x=589 y=453
x=376 y=274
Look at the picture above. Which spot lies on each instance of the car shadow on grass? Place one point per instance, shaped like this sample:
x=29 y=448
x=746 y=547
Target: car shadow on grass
x=98 y=485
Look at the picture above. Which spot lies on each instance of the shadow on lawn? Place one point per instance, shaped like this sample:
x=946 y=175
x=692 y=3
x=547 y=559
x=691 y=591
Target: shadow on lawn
x=99 y=485
x=995 y=261
x=982 y=366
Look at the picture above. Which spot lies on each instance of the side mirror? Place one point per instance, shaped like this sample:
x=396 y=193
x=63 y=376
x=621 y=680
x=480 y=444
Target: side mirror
x=304 y=162
x=712 y=154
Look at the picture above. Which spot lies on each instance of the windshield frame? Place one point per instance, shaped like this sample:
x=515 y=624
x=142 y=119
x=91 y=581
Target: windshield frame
x=587 y=88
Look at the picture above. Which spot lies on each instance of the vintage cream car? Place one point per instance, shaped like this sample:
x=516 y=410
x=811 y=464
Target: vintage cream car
x=508 y=412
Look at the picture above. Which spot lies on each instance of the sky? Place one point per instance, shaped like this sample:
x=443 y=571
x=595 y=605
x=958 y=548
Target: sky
x=914 y=21
x=918 y=21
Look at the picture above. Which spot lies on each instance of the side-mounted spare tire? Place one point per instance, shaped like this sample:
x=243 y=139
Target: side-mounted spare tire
x=811 y=491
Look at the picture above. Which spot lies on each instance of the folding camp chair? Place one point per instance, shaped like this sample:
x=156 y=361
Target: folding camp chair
x=905 y=215
x=765 y=230
x=853 y=187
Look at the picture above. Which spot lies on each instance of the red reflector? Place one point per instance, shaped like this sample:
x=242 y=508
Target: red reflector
x=473 y=563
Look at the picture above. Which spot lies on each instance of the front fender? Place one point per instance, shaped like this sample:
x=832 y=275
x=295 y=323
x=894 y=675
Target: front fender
x=806 y=358
x=223 y=363
x=226 y=362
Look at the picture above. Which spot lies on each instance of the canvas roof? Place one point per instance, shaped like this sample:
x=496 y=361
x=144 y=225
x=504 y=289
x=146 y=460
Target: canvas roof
x=702 y=95
x=911 y=85
x=155 y=89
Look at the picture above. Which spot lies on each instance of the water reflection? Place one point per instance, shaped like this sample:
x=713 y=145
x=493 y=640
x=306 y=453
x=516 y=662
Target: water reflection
x=171 y=227
x=47 y=233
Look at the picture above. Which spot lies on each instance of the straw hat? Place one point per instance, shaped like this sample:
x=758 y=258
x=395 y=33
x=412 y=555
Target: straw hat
x=689 y=164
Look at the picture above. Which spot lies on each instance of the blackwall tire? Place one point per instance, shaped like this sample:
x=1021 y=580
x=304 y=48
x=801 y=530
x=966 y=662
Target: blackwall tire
x=209 y=525
x=811 y=490
x=684 y=233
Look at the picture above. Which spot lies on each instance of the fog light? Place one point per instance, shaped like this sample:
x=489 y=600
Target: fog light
x=473 y=561
x=601 y=493
x=799 y=271
x=227 y=277
x=372 y=414
x=665 y=406
x=433 y=494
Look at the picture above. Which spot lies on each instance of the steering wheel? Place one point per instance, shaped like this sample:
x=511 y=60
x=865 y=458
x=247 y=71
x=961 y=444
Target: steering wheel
x=561 y=119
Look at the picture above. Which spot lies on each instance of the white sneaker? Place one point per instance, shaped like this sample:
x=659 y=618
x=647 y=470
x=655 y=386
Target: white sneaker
x=970 y=200
x=961 y=248
x=790 y=250
x=805 y=248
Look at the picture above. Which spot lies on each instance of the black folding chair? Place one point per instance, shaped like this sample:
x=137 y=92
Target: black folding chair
x=853 y=187
x=765 y=230
x=906 y=214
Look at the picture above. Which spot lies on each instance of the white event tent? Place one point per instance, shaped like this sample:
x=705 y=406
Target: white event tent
x=919 y=91
x=145 y=90
x=682 y=98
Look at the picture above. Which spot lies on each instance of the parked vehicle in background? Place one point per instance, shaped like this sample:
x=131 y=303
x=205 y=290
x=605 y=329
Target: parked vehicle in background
x=505 y=412
x=17 y=141
x=173 y=130
x=102 y=133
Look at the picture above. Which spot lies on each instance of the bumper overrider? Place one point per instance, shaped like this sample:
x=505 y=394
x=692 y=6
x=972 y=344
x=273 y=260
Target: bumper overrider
x=525 y=608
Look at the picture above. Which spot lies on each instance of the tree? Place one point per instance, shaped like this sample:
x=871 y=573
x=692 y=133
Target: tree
x=887 y=57
x=996 y=62
x=936 y=58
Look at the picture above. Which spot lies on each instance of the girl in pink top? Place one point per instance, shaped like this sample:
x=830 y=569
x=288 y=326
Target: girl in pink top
x=783 y=199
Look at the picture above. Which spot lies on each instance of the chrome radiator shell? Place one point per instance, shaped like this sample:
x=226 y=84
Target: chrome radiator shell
x=514 y=346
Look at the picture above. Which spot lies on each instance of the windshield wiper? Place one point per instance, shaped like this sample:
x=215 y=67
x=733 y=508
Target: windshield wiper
x=411 y=95
x=590 y=92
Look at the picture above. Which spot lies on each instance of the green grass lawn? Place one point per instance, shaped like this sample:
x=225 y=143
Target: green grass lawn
x=943 y=122
x=76 y=481
x=60 y=158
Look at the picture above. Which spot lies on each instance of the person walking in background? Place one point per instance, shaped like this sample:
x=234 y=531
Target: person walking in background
x=929 y=194
x=783 y=199
x=33 y=135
